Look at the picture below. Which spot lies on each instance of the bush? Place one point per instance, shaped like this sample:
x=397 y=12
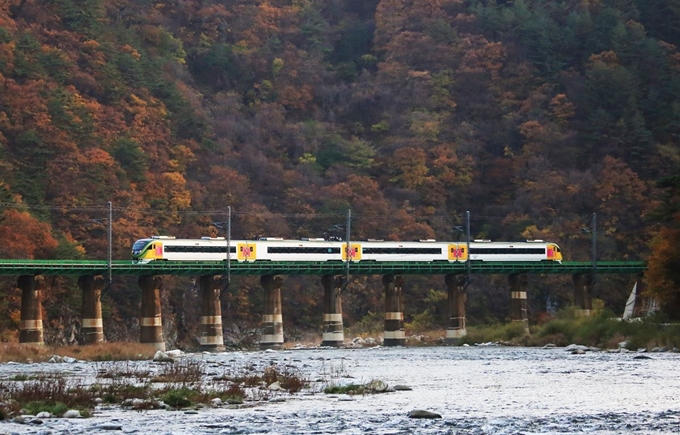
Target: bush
x=177 y=398
x=54 y=408
x=371 y=323
x=422 y=322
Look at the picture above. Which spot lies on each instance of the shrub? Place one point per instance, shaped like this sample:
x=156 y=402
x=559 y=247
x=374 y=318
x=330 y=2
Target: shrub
x=178 y=398
x=54 y=408
x=234 y=394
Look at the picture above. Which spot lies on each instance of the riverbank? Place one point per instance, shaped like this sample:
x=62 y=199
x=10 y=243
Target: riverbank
x=467 y=389
x=601 y=330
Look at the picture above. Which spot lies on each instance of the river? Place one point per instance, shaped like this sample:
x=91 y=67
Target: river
x=475 y=390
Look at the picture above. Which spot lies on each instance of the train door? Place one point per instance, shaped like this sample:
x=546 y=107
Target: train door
x=246 y=252
x=355 y=252
x=457 y=252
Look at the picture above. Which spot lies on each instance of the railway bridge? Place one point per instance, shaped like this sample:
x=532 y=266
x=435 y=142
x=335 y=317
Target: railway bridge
x=213 y=276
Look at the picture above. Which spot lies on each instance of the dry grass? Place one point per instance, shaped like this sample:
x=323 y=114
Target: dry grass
x=116 y=351
x=183 y=372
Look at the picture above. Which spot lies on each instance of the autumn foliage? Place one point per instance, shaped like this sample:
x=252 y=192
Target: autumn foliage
x=532 y=115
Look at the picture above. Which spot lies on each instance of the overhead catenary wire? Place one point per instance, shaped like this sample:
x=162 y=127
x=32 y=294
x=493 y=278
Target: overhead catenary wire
x=161 y=212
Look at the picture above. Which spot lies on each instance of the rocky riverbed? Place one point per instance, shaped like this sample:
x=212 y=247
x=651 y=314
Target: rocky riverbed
x=453 y=390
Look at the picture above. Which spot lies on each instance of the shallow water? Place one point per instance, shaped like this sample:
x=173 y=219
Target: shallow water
x=476 y=390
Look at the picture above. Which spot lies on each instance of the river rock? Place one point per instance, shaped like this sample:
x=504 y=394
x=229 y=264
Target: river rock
x=161 y=356
x=108 y=426
x=43 y=414
x=175 y=353
x=419 y=413
x=402 y=388
x=72 y=413
x=377 y=386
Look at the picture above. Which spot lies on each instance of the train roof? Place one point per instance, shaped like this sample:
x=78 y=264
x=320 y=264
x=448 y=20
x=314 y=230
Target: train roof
x=209 y=240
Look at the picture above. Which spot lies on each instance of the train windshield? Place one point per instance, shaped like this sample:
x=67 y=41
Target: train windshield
x=138 y=246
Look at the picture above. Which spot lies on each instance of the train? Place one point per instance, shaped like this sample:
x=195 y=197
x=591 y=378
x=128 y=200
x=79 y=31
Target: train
x=168 y=248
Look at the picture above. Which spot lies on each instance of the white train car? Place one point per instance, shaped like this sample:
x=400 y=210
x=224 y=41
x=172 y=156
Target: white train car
x=531 y=250
x=172 y=249
x=423 y=250
x=277 y=249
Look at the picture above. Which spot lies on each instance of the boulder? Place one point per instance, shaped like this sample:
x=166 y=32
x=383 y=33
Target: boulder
x=175 y=353
x=402 y=388
x=642 y=357
x=161 y=356
x=419 y=413
x=377 y=386
x=107 y=426
x=72 y=413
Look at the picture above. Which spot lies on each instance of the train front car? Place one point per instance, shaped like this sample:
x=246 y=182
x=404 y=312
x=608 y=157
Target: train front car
x=143 y=251
x=530 y=250
x=554 y=252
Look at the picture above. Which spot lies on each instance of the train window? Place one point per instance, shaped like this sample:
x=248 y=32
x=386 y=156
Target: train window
x=402 y=251
x=499 y=251
x=207 y=249
x=301 y=250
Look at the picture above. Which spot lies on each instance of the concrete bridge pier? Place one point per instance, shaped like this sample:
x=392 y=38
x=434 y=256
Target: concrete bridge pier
x=31 y=326
x=151 y=322
x=333 y=331
x=394 y=313
x=583 y=284
x=455 y=328
x=272 y=319
x=210 y=330
x=91 y=323
x=518 y=299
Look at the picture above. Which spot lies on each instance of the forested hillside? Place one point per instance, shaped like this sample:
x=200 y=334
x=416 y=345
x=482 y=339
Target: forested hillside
x=532 y=115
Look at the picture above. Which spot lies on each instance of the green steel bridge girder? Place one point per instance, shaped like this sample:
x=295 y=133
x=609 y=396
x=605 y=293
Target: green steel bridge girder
x=126 y=267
